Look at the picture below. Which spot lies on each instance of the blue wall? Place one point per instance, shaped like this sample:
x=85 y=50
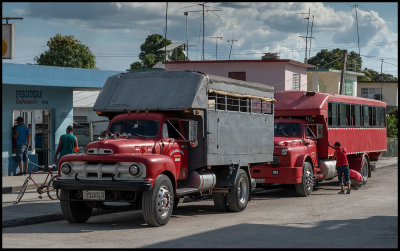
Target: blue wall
x=58 y=99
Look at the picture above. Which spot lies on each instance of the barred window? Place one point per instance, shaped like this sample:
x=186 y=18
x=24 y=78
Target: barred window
x=296 y=82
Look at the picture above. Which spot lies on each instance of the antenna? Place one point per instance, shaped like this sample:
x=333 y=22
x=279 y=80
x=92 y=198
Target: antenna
x=306 y=37
x=216 y=45
x=186 y=13
x=312 y=24
x=232 y=40
x=358 y=36
x=203 y=4
x=166 y=22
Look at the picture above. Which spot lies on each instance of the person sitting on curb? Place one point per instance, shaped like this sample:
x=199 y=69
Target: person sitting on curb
x=342 y=166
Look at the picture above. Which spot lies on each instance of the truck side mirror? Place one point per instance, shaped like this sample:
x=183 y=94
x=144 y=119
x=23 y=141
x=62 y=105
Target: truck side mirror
x=193 y=133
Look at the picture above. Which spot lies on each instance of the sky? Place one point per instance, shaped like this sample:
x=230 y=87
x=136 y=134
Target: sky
x=114 y=31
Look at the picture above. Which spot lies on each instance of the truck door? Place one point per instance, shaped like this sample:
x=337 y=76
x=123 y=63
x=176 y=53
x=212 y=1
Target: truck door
x=311 y=136
x=172 y=132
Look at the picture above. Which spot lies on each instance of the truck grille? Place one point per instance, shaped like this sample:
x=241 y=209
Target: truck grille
x=103 y=170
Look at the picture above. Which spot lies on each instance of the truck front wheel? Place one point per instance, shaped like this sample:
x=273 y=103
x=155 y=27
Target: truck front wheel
x=238 y=196
x=158 y=203
x=306 y=186
x=74 y=211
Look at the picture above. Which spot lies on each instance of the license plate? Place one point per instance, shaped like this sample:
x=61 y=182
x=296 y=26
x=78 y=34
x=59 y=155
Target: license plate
x=260 y=180
x=94 y=195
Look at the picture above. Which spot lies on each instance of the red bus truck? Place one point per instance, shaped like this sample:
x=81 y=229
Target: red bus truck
x=304 y=124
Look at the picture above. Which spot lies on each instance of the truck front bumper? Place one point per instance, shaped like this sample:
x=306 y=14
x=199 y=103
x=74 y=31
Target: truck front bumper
x=277 y=175
x=118 y=185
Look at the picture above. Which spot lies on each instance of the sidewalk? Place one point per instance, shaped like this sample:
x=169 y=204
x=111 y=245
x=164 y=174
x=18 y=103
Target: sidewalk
x=32 y=210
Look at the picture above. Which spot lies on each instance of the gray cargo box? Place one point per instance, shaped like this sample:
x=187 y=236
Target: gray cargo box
x=225 y=136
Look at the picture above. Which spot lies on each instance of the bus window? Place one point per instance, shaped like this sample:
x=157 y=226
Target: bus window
x=348 y=115
x=383 y=117
x=333 y=114
x=366 y=116
x=342 y=115
x=329 y=114
x=372 y=116
x=357 y=116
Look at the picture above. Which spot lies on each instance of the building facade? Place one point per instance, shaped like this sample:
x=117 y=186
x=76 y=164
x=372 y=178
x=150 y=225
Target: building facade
x=328 y=81
x=282 y=74
x=43 y=96
x=386 y=91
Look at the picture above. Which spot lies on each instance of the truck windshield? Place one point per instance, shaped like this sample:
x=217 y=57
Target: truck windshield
x=135 y=127
x=287 y=130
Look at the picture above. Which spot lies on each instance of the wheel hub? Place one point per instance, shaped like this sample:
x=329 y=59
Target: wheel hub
x=164 y=201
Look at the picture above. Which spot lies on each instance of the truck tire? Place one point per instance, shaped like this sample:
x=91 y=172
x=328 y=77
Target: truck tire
x=238 y=196
x=74 y=211
x=364 y=170
x=305 y=188
x=158 y=203
x=220 y=201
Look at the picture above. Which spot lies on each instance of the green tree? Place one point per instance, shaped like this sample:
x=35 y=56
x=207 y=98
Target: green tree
x=333 y=59
x=66 y=51
x=371 y=75
x=392 y=123
x=150 y=52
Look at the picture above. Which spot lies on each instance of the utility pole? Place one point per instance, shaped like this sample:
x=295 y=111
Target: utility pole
x=343 y=70
x=232 y=40
x=216 y=45
x=381 y=76
x=166 y=21
x=358 y=36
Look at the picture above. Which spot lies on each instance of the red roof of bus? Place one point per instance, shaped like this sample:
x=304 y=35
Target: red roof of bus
x=304 y=103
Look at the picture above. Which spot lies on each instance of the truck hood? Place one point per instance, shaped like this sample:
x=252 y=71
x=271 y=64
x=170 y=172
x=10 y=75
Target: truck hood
x=120 y=145
x=288 y=141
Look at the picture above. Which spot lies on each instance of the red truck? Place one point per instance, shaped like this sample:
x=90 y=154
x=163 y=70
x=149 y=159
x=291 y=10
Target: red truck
x=304 y=124
x=171 y=134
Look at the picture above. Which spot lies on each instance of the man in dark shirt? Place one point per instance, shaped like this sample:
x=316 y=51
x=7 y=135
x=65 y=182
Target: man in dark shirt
x=22 y=136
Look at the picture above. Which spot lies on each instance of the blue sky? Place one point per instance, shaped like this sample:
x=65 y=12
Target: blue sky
x=115 y=31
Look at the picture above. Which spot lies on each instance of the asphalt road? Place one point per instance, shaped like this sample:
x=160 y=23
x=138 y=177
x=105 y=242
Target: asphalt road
x=275 y=218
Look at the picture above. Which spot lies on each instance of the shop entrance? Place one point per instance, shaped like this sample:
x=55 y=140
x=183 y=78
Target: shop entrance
x=39 y=123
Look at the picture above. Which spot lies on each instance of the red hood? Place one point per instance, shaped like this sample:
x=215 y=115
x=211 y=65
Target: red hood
x=287 y=141
x=122 y=145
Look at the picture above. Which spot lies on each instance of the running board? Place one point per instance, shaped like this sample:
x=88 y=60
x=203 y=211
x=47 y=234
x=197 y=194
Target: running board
x=185 y=191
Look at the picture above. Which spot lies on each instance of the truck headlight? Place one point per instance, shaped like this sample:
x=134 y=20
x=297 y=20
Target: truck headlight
x=66 y=168
x=134 y=170
x=284 y=151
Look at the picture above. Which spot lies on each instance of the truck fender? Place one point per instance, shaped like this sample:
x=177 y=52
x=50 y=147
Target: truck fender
x=161 y=164
x=301 y=159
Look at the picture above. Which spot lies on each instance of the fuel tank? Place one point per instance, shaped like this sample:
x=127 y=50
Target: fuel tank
x=328 y=168
x=202 y=181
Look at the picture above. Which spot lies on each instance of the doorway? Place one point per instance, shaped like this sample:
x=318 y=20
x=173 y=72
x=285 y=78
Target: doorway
x=39 y=123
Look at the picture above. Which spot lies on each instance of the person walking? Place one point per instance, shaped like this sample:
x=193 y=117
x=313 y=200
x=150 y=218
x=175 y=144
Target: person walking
x=342 y=166
x=67 y=144
x=22 y=135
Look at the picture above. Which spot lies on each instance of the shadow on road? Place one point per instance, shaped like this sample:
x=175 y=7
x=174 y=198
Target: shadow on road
x=357 y=233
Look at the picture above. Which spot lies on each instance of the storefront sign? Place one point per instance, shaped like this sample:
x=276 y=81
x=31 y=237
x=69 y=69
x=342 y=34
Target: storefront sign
x=29 y=97
x=8 y=41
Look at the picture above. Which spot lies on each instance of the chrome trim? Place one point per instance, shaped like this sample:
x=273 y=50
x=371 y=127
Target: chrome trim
x=99 y=151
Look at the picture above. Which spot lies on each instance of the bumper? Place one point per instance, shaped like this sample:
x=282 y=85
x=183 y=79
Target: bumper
x=102 y=185
x=278 y=175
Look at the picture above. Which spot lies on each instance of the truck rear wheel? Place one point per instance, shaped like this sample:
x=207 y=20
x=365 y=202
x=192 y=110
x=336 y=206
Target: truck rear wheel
x=238 y=196
x=305 y=188
x=74 y=211
x=158 y=203
x=220 y=201
x=364 y=170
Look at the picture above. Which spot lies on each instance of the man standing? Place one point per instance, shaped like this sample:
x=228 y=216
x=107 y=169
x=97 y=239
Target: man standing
x=342 y=166
x=67 y=144
x=23 y=140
